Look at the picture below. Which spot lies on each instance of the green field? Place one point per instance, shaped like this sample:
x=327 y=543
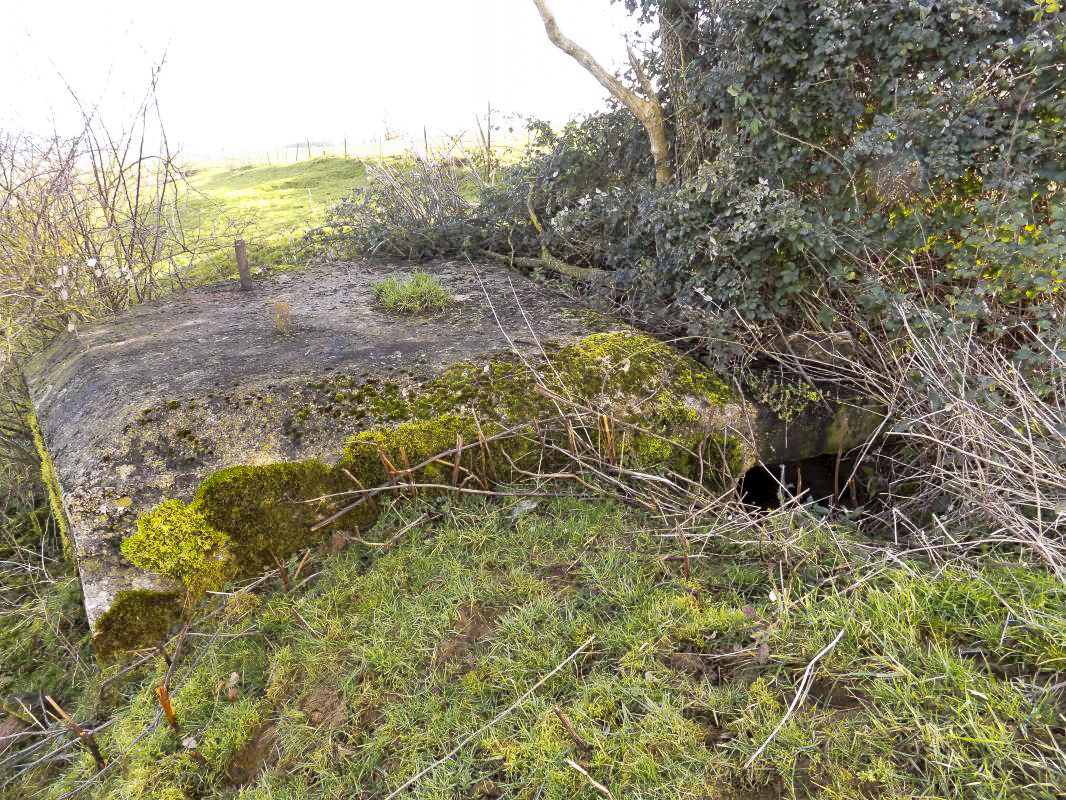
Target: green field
x=271 y=207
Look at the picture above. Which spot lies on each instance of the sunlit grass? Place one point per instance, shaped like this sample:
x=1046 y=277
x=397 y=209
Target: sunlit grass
x=270 y=206
x=418 y=294
x=393 y=655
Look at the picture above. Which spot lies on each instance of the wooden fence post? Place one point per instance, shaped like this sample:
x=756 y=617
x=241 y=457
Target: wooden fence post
x=242 y=264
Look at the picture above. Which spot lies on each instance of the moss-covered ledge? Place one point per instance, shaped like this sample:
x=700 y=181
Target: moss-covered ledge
x=242 y=518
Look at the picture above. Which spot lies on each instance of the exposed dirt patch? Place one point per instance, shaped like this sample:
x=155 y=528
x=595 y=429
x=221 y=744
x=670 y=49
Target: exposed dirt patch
x=12 y=731
x=560 y=578
x=687 y=663
x=484 y=788
x=836 y=695
x=708 y=725
x=254 y=757
x=368 y=716
x=475 y=623
x=325 y=707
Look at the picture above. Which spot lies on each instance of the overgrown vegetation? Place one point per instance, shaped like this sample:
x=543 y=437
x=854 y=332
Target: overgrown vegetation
x=416 y=295
x=867 y=193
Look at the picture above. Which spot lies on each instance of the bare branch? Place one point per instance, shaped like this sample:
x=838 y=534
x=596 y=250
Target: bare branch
x=646 y=108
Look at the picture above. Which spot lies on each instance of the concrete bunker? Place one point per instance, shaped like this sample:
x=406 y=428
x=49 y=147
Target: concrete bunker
x=192 y=442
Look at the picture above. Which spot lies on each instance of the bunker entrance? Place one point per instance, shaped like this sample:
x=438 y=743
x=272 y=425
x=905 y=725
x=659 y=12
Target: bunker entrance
x=826 y=480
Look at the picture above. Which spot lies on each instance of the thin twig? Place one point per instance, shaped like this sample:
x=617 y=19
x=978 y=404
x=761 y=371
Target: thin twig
x=801 y=694
x=570 y=729
x=595 y=784
x=503 y=714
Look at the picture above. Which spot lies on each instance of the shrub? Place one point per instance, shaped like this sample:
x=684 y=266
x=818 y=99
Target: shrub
x=413 y=208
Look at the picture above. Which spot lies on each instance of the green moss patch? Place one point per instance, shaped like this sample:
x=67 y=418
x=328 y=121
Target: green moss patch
x=267 y=511
x=138 y=617
x=174 y=539
x=51 y=483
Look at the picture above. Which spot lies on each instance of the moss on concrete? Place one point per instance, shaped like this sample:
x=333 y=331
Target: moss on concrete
x=267 y=511
x=176 y=540
x=51 y=482
x=788 y=397
x=244 y=517
x=138 y=618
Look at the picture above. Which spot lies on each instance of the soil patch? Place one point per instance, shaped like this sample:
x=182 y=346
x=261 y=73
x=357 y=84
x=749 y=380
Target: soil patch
x=475 y=623
x=325 y=707
x=254 y=757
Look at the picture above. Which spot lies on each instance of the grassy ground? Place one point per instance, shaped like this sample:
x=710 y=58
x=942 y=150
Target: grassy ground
x=270 y=206
x=421 y=292
x=383 y=662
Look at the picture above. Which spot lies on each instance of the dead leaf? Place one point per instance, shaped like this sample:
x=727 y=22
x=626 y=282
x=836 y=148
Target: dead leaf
x=12 y=731
x=232 y=693
x=762 y=652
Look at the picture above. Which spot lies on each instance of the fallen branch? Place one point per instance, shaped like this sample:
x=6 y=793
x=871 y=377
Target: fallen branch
x=548 y=261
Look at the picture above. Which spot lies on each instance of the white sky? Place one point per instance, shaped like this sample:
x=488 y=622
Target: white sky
x=246 y=75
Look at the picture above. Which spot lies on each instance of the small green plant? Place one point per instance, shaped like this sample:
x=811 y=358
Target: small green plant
x=421 y=293
x=788 y=398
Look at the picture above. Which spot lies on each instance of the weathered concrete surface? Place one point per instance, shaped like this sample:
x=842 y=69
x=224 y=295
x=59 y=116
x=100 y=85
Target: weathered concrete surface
x=148 y=405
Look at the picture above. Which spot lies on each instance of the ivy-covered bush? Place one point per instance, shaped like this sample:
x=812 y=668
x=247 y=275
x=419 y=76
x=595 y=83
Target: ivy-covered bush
x=865 y=152
x=851 y=136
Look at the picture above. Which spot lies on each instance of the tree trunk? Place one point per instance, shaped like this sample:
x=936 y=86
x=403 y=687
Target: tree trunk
x=678 y=32
x=646 y=108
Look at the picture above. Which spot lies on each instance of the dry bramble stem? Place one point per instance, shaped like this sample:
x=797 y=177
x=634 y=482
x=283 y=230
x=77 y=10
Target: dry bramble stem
x=283 y=572
x=77 y=730
x=168 y=710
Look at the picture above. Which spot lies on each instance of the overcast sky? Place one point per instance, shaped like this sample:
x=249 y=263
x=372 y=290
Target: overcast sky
x=245 y=75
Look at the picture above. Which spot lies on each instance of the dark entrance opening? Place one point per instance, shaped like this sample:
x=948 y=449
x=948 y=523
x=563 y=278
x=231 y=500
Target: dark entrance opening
x=823 y=479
